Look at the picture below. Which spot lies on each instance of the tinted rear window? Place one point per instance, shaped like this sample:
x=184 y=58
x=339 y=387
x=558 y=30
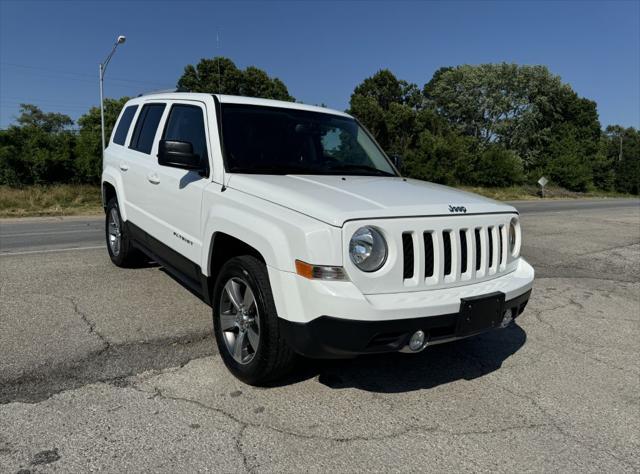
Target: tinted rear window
x=146 y=127
x=123 y=126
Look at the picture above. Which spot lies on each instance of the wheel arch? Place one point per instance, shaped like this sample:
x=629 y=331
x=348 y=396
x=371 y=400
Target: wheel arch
x=108 y=192
x=112 y=187
x=223 y=247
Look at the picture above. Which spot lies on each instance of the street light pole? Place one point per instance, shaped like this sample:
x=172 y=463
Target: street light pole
x=101 y=70
x=101 y=107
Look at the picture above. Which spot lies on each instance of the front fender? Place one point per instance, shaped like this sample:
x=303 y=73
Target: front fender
x=279 y=234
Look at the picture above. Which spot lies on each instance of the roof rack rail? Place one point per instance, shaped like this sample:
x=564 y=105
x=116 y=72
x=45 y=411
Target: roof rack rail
x=164 y=91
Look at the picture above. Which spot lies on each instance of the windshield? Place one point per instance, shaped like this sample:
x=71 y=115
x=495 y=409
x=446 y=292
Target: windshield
x=270 y=140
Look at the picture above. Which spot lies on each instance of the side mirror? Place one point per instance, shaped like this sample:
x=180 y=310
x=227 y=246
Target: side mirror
x=178 y=154
x=398 y=162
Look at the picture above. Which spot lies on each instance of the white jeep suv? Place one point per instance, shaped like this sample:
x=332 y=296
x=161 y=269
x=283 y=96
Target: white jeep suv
x=292 y=223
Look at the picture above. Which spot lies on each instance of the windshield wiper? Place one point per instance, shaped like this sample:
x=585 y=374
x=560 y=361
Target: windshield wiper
x=370 y=169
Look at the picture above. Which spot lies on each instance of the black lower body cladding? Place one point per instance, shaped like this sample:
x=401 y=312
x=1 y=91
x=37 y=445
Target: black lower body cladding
x=328 y=337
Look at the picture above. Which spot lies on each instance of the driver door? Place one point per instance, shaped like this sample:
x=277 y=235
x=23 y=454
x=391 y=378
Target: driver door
x=178 y=201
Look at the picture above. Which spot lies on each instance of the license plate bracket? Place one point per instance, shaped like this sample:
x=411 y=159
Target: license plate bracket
x=480 y=313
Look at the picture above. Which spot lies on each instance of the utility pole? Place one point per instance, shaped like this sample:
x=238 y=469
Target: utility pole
x=620 y=154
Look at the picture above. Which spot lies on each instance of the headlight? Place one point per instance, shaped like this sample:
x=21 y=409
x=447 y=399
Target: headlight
x=513 y=236
x=368 y=249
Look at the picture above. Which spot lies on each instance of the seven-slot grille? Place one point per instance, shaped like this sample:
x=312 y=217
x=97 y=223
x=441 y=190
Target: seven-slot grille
x=453 y=255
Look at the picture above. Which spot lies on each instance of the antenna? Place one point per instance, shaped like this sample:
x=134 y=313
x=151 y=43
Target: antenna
x=219 y=75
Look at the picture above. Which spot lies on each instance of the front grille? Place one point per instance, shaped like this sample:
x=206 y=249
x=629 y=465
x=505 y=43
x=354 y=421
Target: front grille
x=407 y=250
x=501 y=253
x=490 y=235
x=428 y=254
x=452 y=255
x=478 y=249
x=446 y=239
x=463 y=251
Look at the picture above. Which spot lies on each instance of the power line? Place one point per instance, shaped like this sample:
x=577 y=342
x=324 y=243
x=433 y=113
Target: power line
x=36 y=99
x=74 y=79
x=78 y=74
x=47 y=103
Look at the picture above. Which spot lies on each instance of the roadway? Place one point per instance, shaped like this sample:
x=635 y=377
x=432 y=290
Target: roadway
x=56 y=233
x=112 y=369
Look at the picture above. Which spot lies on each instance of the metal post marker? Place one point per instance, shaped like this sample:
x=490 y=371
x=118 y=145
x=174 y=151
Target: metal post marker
x=542 y=182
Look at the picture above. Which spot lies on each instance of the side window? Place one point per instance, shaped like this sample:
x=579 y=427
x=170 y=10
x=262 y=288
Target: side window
x=123 y=126
x=146 y=126
x=186 y=124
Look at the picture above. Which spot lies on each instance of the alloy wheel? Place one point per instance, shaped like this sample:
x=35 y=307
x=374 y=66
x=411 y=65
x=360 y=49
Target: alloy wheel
x=239 y=320
x=115 y=235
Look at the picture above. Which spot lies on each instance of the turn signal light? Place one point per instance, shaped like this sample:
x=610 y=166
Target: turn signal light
x=320 y=272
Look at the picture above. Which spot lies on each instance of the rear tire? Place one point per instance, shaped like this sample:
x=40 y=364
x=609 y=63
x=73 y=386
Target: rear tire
x=246 y=323
x=119 y=246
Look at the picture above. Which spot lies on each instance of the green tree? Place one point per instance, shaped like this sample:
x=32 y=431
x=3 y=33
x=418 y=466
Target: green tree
x=388 y=107
x=38 y=149
x=394 y=111
x=494 y=102
x=441 y=158
x=89 y=142
x=220 y=75
x=565 y=162
x=528 y=111
x=32 y=117
x=497 y=166
x=386 y=89
x=256 y=83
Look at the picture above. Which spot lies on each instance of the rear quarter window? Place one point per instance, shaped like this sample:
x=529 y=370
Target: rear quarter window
x=123 y=125
x=146 y=127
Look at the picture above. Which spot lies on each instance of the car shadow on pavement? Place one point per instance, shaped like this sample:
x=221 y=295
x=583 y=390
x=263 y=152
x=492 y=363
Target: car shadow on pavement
x=437 y=365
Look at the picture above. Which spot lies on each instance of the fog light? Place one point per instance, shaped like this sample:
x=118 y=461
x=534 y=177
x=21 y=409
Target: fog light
x=417 y=341
x=507 y=318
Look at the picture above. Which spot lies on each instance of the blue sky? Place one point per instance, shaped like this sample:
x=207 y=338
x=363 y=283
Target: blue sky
x=49 y=51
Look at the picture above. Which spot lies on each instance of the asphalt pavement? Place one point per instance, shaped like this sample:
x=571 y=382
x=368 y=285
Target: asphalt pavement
x=59 y=233
x=109 y=369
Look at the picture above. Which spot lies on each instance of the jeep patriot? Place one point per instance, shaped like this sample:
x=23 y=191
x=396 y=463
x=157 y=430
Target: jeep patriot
x=291 y=222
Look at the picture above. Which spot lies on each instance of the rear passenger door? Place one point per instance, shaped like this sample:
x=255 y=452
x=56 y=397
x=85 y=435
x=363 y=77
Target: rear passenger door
x=139 y=167
x=178 y=202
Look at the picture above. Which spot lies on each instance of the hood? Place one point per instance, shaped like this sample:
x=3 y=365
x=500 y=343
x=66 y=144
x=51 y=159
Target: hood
x=337 y=199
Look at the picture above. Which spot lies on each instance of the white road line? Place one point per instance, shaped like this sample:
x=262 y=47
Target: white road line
x=28 y=252
x=29 y=234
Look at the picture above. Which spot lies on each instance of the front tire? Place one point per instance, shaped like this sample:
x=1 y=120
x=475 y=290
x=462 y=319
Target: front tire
x=119 y=246
x=246 y=325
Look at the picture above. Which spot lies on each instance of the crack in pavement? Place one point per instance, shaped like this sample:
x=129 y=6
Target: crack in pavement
x=90 y=324
x=296 y=434
x=558 y=275
x=561 y=429
x=537 y=313
x=244 y=424
x=552 y=420
x=239 y=447
x=617 y=247
x=106 y=365
x=564 y=273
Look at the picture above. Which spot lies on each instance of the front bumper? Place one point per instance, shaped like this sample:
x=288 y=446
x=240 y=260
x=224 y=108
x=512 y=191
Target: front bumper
x=359 y=323
x=301 y=300
x=328 y=337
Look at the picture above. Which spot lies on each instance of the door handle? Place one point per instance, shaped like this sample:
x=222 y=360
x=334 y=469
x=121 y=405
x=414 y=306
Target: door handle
x=124 y=167
x=153 y=178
